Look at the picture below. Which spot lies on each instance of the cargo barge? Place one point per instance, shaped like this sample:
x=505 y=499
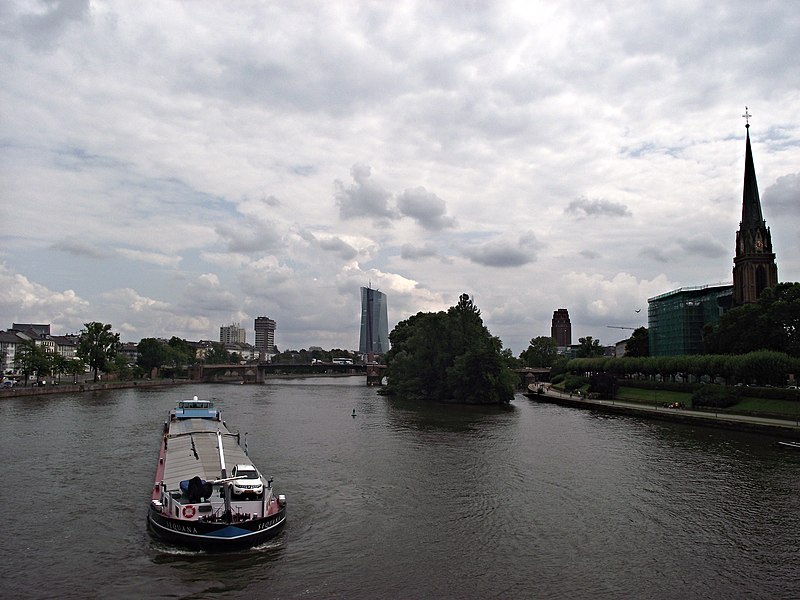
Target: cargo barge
x=208 y=495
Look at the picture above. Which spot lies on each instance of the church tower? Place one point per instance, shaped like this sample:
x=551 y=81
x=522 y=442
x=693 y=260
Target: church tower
x=754 y=267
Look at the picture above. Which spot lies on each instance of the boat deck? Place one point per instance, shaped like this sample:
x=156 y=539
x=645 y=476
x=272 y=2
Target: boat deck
x=183 y=462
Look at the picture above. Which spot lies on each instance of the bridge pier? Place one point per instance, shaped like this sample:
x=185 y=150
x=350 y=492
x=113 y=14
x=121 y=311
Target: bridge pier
x=375 y=375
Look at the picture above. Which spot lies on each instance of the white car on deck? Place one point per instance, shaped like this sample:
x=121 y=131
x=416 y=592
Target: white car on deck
x=250 y=484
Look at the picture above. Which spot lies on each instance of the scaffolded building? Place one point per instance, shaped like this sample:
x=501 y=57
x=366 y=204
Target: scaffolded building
x=676 y=319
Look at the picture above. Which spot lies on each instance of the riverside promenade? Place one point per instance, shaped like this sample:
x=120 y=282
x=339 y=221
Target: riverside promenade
x=771 y=426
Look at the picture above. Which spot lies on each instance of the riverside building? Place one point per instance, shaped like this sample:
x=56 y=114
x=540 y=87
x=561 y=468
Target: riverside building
x=265 y=335
x=232 y=334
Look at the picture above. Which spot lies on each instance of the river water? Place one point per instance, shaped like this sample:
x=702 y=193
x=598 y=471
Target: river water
x=402 y=501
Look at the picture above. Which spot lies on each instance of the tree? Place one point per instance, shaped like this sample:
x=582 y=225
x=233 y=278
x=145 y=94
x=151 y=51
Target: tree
x=589 y=347
x=541 y=352
x=31 y=358
x=75 y=367
x=639 y=343
x=766 y=367
x=511 y=361
x=152 y=354
x=464 y=319
x=120 y=366
x=97 y=346
x=604 y=385
x=771 y=323
x=480 y=375
x=217 y=355
x=180 y=352
x=59 y=365
x=47 y=361
x=419 y=357
x=449 y=356
x=559 y=366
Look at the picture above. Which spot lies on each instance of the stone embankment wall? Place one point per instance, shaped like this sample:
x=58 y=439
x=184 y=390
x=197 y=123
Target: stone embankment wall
x=69 y=388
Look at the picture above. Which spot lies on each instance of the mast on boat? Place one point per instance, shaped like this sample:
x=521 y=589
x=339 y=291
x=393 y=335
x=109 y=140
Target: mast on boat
x=226 y=486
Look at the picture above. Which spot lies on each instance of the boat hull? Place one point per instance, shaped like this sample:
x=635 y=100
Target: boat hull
x=217 y=536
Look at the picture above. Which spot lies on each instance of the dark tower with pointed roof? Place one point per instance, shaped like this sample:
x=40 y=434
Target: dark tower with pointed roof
x=754 y=267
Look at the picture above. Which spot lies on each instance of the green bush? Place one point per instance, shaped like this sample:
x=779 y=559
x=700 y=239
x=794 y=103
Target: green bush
x=672 y=386
x=602 y=385
x=715 y=396
x=574 y=382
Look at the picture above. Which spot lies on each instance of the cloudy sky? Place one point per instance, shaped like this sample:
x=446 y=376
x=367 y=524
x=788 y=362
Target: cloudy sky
x=171 y=167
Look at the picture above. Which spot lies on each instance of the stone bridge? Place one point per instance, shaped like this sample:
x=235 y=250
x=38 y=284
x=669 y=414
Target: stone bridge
x=258 y=372
x=529 y=375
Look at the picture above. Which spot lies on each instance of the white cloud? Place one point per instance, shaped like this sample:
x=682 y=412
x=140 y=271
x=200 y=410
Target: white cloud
x=155 y=258
x=503 y=251
x=426 y=208
x=597 y=208
x=363 y=198
x=421 y=252
x=25 y=301
x=215 y=164
x=250 y=234
x=79 y=247
x=783 y=196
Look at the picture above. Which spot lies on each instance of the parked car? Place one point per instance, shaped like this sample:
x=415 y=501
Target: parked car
x=250 y=485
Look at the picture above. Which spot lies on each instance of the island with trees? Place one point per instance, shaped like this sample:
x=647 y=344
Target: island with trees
x=449 y=356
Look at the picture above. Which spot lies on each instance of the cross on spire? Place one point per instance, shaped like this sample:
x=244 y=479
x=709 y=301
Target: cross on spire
x=747 y=116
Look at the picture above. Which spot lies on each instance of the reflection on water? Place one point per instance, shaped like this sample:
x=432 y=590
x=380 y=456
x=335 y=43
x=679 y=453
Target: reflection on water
x=403 y=500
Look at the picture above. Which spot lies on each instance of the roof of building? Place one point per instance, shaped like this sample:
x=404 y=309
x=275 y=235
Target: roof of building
x=751 y=203
x=694 y=290
x=10 y=337
x=39 y=328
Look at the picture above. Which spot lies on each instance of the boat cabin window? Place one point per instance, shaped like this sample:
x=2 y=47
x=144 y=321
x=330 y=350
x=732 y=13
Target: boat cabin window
x=194 y=404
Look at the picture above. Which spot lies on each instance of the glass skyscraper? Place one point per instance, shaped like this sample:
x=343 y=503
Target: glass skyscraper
x=374 y=338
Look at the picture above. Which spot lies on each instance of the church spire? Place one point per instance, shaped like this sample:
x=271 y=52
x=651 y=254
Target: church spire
x=751 y=203
x=754 y=267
